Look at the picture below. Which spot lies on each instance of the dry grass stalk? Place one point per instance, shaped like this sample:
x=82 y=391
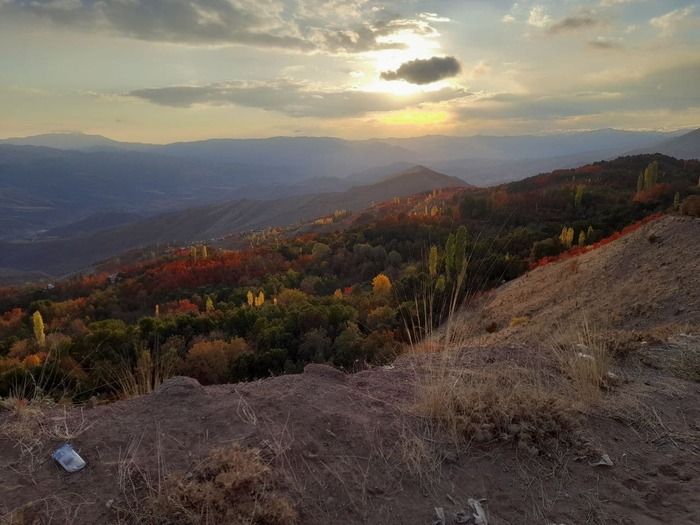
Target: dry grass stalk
x=584 y=356
x=145 y=376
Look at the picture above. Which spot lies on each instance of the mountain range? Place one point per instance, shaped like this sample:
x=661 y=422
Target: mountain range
x=69 y=200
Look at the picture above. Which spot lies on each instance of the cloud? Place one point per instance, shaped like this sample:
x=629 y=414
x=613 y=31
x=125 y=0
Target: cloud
x=669 y=22
x=259 y=23
x=572 y=22
x=669 y=89
x=538 y=17
x=295 y=99
x=425 y=71
x=482 y=69
x=608 y=3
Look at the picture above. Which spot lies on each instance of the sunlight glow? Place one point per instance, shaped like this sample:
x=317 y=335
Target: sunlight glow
x=414 y=117
x=416 y=46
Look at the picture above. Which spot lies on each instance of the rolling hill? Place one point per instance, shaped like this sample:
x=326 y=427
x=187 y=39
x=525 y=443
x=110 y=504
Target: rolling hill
x=684 y=147
x=61 y=256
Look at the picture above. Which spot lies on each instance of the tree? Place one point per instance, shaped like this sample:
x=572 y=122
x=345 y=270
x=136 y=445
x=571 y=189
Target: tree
x=677 y=201
x=249 y=296
x=321 y=251
x=209 y=305
x=581 y=238
x=205 y=254
x=640 y=182
x=433 y=261
x=259 y=300
x=38 y=323
x=651 y=175
x=381 y=284
x=579 y=195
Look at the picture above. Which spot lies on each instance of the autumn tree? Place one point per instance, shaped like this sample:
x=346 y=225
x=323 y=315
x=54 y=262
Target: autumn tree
x=567 y=236
x=381 y=284
x=38 y=323
x=651 y=175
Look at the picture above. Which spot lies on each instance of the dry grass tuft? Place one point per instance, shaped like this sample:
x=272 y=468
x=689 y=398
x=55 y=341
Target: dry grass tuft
x=233 y=486
x=515 y=321
x=687 y=364
x=501 y=403
x=585 y=358
x=145 y=376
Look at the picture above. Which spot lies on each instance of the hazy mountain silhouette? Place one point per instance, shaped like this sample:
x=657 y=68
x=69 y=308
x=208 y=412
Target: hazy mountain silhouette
x=45 y=188
x=684 y=147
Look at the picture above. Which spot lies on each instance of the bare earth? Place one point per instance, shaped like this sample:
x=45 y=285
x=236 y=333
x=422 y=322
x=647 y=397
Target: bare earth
x=343 y=446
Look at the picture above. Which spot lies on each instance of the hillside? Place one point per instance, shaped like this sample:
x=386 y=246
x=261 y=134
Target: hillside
x=641 y=284
x=356 y=448
x=684 y=147
x=60 y=256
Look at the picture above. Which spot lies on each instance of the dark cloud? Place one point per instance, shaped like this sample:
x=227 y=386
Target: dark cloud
x=270 y=23
x=572 y=22
x=425 y=71
x=292 y=99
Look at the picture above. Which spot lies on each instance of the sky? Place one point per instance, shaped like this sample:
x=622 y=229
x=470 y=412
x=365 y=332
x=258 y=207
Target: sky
x=162 y=71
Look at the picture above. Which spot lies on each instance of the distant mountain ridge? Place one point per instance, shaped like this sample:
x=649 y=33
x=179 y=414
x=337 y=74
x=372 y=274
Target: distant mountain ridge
x=45 y=188
x=684 y=147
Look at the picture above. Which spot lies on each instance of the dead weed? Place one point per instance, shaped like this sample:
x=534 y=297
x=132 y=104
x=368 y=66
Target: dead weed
x=232 y=485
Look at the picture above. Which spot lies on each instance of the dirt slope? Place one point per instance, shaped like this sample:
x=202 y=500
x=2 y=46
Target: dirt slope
x=645 y=281
x=344 y=445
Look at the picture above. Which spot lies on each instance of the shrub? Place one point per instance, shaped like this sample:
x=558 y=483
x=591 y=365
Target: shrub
x=209 y=361
x=501 y=404
x=231 y=486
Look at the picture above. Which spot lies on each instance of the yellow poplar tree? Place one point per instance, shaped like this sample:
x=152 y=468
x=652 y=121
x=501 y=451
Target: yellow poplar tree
x=570 y=237
x=209 y=305
x=205 y=254
x=260 y=299
x=38 y=323
x=250 y=298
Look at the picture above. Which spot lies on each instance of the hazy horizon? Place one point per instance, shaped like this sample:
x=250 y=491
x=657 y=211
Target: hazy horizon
x=161 y=71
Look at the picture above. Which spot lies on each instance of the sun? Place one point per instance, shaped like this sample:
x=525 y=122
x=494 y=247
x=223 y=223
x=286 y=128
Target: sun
x=414 y=46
